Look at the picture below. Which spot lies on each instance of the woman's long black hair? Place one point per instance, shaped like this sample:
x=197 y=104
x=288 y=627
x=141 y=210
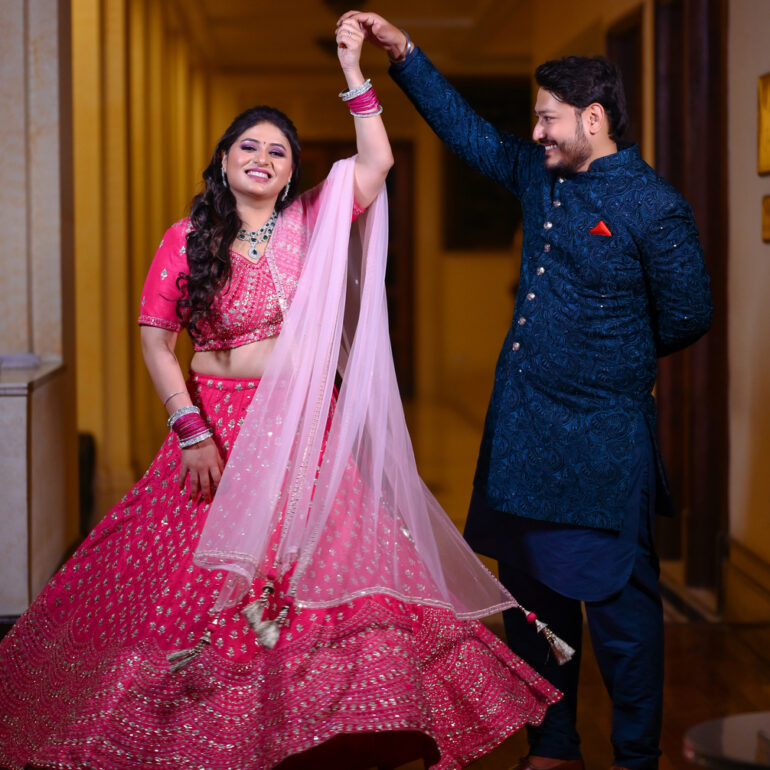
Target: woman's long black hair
x=215 y=221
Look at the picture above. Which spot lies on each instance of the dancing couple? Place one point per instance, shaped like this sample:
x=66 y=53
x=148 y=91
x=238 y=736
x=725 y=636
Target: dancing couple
x=280 y=589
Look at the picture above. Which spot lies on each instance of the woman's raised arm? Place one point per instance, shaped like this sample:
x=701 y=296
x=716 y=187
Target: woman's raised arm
x=375 y=157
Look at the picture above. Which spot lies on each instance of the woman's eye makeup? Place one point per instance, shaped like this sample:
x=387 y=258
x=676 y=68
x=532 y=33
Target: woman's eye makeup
x=278 y=152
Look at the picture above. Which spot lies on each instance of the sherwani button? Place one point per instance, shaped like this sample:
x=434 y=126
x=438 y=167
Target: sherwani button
x=556 y=204
x=548 y=225
x=547 y=247
x=540 y=270
x=522 y=321
x=515 y=346
x=531 y=296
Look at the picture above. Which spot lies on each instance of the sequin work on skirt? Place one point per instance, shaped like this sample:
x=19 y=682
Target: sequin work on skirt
x=84 y=681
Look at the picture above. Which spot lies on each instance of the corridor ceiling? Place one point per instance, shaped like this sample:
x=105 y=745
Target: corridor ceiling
x=297 y=35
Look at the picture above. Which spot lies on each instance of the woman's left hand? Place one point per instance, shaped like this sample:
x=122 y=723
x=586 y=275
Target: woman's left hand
x=350 y=39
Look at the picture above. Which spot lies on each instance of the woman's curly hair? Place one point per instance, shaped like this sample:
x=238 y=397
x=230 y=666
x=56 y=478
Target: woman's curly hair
x=215 y=221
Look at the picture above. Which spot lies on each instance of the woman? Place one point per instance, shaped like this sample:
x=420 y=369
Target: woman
x=310 y=616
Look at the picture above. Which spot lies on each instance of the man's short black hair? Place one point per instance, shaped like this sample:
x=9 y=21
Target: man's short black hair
x=582 y=80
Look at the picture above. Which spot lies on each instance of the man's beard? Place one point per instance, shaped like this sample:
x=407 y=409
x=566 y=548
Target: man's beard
x=574 y=152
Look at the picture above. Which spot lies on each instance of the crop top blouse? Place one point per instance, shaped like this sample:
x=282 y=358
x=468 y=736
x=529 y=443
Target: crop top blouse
x=251 y=305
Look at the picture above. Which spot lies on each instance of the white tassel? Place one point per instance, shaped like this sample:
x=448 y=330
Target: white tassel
x=269 y=631
x=182 y=658
x=254 y=611
x=561 y=650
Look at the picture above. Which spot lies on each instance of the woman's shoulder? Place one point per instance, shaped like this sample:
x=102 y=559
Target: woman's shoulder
x=175 y=238
x=180 y=228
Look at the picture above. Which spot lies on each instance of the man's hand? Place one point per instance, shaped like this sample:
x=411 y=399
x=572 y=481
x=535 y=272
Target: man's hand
x=379 y=32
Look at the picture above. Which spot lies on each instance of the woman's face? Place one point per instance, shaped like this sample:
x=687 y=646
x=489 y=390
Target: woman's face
x=259 y=162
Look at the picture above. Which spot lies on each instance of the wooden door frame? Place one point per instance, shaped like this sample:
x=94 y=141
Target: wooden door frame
x=690 y=143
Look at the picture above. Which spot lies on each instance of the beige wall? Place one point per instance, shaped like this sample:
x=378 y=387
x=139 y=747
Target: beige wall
x=38 y=455
x=748 y=572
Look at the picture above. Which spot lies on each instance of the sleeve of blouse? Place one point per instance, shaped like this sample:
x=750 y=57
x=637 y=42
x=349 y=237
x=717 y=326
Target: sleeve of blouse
x=160 y=292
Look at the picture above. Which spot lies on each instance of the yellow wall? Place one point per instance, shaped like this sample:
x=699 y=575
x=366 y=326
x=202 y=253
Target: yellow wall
x=135 y=95
x=748 y=569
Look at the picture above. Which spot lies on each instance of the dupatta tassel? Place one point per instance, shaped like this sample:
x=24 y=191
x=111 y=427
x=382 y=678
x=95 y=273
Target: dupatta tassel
x=254 y=611
x=269 y=631
x=182 y=658
x=561 y=650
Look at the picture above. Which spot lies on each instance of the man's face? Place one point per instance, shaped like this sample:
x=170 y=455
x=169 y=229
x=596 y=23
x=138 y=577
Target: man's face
x=559 y=129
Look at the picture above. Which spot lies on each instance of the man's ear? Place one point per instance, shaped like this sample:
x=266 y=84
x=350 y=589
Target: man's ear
x=594 y=118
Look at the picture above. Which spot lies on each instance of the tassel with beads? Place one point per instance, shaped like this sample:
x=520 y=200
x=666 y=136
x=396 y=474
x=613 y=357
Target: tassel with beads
x=254 y=611
x=561 y=650
x=269 y=631
x=182 y=658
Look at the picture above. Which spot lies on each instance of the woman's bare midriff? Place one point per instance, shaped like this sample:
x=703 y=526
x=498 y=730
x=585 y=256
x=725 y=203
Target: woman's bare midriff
x=247 y=360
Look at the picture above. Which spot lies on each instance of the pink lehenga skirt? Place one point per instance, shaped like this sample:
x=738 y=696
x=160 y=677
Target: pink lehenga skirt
x=84 y=680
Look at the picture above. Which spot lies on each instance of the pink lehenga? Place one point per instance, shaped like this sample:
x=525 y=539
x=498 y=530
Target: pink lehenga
x=372 y=638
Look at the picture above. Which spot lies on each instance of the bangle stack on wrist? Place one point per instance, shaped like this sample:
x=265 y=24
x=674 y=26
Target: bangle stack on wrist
x=189 y=426
x=362 y=100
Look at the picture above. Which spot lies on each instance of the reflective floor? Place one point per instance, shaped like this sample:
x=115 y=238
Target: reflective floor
x=712 y=669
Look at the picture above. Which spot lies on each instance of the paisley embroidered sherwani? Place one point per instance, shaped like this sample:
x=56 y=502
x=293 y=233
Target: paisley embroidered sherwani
x=612 y=276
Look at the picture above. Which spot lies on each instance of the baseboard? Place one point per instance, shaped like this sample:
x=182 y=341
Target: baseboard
x=694 y=604
x=746 y=585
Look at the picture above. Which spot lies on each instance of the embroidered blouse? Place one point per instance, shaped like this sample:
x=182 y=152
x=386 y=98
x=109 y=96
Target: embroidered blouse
x=249 y=307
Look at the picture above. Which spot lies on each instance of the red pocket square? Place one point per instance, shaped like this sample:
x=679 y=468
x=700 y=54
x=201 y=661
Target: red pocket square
x=601 y=229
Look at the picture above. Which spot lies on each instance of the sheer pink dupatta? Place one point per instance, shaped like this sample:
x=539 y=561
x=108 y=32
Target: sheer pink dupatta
x=363 y=522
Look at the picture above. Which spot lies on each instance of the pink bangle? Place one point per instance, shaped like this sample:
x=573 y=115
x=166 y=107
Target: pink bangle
x=365 y=104
x=189 y=426
x=362 y=100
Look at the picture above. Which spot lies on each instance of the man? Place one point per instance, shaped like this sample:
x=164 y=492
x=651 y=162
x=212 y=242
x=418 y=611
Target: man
x=612 y=276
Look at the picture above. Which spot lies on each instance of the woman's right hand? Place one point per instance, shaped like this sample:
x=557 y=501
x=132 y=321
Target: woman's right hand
x=380 y=32
x=204 y=464
x=350 y=39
